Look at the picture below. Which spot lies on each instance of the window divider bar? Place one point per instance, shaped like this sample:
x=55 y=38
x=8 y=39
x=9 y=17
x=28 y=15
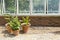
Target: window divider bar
x=59 y=6
x=17 y=7
x=31 y=6
x=46 y=6
x=3 y=6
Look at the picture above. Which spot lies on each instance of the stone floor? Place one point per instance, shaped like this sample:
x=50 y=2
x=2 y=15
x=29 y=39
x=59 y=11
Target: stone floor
x=34 y=33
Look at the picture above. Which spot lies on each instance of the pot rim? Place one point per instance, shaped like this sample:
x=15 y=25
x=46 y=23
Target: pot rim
x=6 y=24
x=25 y=24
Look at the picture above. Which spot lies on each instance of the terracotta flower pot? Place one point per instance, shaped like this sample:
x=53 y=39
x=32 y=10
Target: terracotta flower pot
x=25 y=27
x=16 y=32
x=8 y=28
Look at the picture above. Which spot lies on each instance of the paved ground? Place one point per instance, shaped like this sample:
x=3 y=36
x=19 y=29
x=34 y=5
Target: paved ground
x=34 y=33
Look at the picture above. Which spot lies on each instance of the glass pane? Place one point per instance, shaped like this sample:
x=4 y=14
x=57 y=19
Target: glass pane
x=38 y=6
x=10 y=6
x=53 y=6
x=23 y=6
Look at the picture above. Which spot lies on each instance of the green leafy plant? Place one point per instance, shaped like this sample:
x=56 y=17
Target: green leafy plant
x=15 y=23
x=25 y=19
x=8 y=17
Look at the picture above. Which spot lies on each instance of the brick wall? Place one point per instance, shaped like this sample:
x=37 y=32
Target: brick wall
x=45 y=21
x=39 y=20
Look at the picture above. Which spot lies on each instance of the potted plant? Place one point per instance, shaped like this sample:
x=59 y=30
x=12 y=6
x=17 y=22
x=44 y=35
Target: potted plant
x=13 y=26
x=8 y=18
x=25 y=25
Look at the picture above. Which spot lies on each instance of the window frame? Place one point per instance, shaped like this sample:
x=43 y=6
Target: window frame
x=53 y=11
x=30 y=12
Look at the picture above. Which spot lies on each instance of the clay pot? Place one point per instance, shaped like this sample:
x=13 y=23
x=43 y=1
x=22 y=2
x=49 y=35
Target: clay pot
x=16 y=32
x=25 y=27
x=8 y=28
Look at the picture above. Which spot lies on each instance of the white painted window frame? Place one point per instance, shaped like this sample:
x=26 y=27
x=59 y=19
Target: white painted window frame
x=31 y=7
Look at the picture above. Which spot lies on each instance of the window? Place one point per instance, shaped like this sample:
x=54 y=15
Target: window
x=10 y=6
x=53 y=6
x=30 y=7
x=23 y=6
x=38 y=6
